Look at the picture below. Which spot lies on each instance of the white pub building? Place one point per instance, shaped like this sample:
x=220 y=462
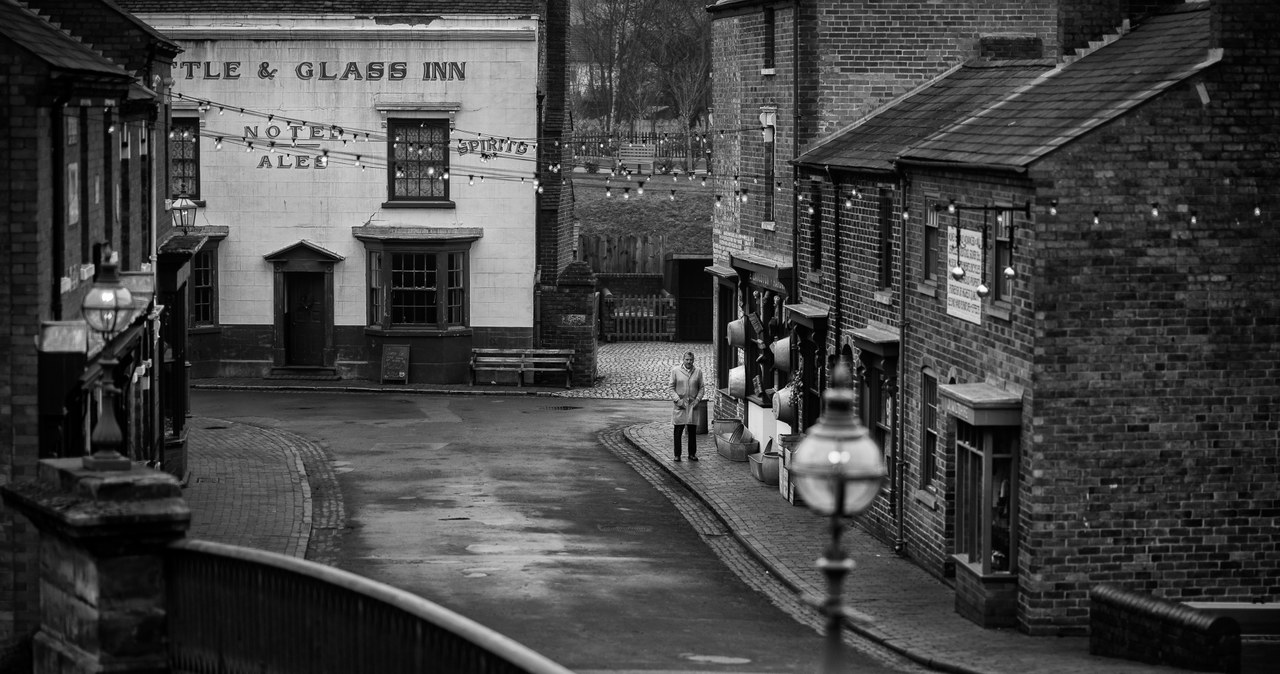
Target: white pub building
x=362 y=180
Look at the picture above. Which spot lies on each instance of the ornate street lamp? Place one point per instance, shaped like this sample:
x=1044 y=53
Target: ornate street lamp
x=105 y=308
x=183 y=212
x=838 y=470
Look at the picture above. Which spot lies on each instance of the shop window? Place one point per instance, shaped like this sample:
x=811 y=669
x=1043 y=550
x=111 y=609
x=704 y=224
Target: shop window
x=726 y=353
x=1002 y=257
x=421 y=287
x=203 y=287
x=928 y=429
x=930 y=252
x=986 y=495
x=184 y=158
x=815 y=228
x=419 y=167
x=886 y=239
x=876 y=403
x=770 y=38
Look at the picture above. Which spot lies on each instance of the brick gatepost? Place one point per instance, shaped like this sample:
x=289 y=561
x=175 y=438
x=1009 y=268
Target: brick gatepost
x=102 y=538
x=569 y=319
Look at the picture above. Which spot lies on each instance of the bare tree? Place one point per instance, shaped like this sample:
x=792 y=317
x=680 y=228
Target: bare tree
x=678 y=45
x=609 y=33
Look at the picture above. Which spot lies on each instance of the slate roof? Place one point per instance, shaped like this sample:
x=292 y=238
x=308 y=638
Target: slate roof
x=1080 y=96
x=321 y=7
x=53 y=46
x=874 y=143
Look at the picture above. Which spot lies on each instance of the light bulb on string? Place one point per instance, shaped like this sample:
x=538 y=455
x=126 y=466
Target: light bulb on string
x=957 y=272
x=779 y=184
x=217 y=144
x=1053 y=207
x=445 y=175
x=471 y=180
x=608 y=192
x=248 y=147
x=640 y=189
x=1257 y=211
x=718 y=203
x=982 y=290
x=1097 y=217
x=848 y=203
x=951 y=206
x=1155 y=209
x=744 y=195
x=626 y=193
x=1194 y=219
x=1010 y=273
x=673 y=195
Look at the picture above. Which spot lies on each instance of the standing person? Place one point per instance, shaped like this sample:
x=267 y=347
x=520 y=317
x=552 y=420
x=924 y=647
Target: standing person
x=686 y=387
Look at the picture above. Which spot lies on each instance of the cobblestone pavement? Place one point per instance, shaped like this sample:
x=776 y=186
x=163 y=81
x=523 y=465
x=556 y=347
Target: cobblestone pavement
x=276 y=491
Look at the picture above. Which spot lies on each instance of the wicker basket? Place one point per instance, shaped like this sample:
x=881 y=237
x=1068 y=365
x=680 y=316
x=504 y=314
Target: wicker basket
x=733 y=441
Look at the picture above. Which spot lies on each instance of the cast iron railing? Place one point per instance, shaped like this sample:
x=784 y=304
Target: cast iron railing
x=234 y=610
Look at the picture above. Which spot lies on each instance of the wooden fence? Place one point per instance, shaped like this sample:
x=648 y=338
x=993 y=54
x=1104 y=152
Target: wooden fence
x=665 y=145
x=631 y=254
x=637 y=318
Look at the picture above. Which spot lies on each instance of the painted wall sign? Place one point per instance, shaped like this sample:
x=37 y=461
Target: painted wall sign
x=962 y=296
x=349 y=71
x=492 y=146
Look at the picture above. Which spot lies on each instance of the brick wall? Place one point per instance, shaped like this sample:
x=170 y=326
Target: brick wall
x=956 y=351
x=1158 y=354
x=869 y=53
x=25 y=300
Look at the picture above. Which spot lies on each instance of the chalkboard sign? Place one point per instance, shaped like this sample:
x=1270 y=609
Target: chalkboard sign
x=395 y=362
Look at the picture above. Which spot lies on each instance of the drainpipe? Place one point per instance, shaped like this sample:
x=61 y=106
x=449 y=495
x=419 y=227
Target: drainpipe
x=795 y=151
x=900 y=468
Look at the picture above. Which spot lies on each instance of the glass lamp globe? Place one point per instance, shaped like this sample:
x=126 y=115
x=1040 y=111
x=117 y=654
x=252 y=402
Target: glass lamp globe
x=838 y=457
x=107 y=303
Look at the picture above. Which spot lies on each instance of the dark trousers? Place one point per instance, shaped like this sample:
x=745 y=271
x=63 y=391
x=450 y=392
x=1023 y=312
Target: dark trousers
x=693 y=445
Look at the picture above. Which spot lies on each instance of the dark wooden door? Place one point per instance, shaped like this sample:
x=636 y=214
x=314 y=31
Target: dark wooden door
x=304 y=318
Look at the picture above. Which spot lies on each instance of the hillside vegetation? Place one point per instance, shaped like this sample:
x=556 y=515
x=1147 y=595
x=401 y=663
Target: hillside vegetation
x=684 y=221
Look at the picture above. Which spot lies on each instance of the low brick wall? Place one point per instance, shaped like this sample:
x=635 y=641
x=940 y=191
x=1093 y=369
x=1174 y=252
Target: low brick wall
x=1135 y=626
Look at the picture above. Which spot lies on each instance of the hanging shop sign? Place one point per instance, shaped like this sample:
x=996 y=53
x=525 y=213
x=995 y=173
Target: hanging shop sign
x=349 y=71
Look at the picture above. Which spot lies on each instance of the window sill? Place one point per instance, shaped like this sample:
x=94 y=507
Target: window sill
x=204 y=329
x=962 y=561
x=768 y=225
x=884 y=296
x=419 y=204
x=927 y=288
x=768 y=71
x=378 y=331
x=998 y=310
x=928 y=499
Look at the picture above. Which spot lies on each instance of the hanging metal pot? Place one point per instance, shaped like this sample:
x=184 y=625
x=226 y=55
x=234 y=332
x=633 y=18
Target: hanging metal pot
x=738 y=382
x=784 y=405
x=781 y=354
x=737 y=332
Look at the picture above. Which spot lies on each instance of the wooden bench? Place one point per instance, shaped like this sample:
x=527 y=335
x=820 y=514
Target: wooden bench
x=637 y=154
x=521 y=361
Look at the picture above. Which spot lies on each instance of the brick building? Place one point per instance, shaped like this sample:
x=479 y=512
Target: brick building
x=81 y=129
x=1039 y=246
x=368 y=174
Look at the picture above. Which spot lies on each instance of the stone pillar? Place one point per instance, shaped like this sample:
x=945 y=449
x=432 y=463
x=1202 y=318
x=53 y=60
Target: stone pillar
x=102 y=580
